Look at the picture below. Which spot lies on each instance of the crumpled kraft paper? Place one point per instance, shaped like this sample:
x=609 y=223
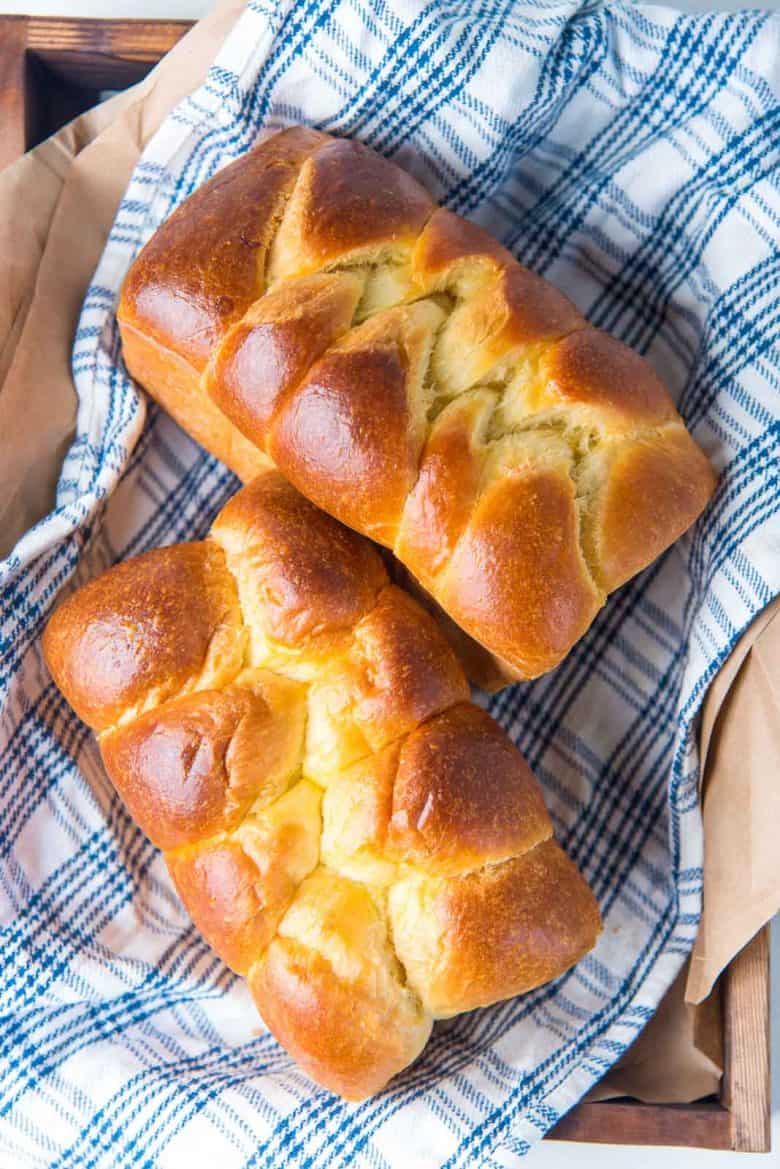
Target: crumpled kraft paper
x=740 y=744
x=678 y=1056
x=57 y=204
x=56 y=207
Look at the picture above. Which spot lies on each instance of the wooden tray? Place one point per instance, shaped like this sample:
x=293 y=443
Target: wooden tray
x=50 y=71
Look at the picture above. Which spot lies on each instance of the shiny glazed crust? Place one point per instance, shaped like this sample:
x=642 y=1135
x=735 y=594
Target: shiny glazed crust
x=346 y=829
x=311 y=306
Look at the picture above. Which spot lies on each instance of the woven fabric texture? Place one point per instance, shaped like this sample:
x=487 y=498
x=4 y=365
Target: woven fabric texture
x=630 y=154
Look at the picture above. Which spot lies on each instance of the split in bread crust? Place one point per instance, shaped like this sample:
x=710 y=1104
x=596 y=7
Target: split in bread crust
x=346 y=829
x=311 y=306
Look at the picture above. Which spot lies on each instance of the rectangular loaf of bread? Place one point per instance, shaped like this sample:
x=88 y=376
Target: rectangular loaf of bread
x=296 y=735
x=310 y=307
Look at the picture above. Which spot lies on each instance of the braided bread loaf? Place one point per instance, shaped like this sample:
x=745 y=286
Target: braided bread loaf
x=310 y=305
x=344 y=826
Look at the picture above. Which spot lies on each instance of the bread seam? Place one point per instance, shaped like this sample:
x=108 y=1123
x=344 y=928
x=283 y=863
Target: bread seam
x=343 y=209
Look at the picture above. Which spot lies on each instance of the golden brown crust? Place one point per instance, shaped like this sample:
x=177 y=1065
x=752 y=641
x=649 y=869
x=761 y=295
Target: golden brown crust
x=339 y=1035
x=296 y=734
x=396 y=672
x=192 y=767
x=441 y=503
x=353 y=430
x=125 y=639
x=348 y=199
x=171 y=768
x=452 y=796
x=481 y=667
x=447 y=240
x=656 y=485
x=238 y=888
x=221 y=889
x=179 y=389
x=351 y=448
x=206 y=264
x=347 y=1019
x=463 y=796
x=502 y=313
x=274 y=345
x=495 y=933
x=405 y=670
x=384 y=352
x=592 y=369
x=517 y=580
x=305 y=576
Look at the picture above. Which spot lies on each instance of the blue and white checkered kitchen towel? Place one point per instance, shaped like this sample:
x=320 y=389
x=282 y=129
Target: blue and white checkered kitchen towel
x=631 y=155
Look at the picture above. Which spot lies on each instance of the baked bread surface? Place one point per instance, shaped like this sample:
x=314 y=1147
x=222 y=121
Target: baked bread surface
x=347 y=830
x=312 y=308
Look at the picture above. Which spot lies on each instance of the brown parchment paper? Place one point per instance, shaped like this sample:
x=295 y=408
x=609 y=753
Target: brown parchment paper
x=56 y=207
x=678 y=1056
x=57 y=204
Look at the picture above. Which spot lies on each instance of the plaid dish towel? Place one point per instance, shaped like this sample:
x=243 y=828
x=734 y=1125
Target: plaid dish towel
x=628 y=153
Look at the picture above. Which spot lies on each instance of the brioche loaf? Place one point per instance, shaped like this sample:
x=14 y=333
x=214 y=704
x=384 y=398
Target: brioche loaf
x=311 y=306
x=346 y=829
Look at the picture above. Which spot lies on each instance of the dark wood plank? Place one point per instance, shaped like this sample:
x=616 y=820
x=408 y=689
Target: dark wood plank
x=700 y=1126
x=13 y=89
x=102 y=54
x=52 y=69
x=746 y=1079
